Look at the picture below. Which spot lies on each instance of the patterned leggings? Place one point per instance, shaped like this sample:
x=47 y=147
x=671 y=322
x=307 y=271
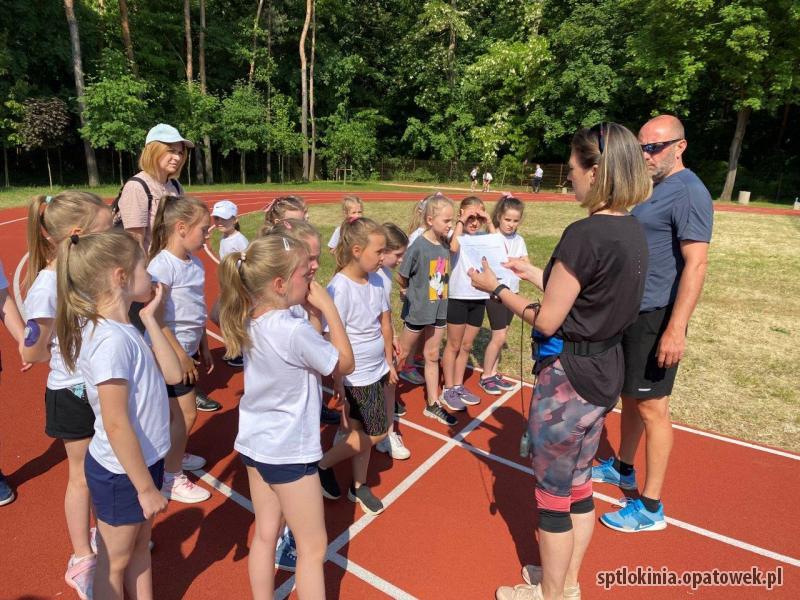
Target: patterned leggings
x=565 y=432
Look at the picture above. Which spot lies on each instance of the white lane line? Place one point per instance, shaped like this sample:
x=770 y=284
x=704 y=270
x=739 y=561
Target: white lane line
x=225 y=489
x=347 y=536
x=371 y=578
x=14 y=221
x=789 y=560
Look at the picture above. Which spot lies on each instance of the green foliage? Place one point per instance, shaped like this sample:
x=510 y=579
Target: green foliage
x=351 y=141
x=117 y=113
x=243 y=120
x=196 y=113
x=44 y=123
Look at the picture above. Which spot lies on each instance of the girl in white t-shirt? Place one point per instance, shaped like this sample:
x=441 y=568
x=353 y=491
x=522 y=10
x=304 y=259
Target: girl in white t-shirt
x=357 y=290
x=507 y=216
x=224 y=214
x=352 y=208
x=99 y=275
x=68 y=416
x=180 y=229
x=285 y=356
x=465 y=307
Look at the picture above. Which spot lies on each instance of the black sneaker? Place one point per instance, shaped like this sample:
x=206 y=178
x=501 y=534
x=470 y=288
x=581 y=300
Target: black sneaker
x=236 y=362
x=330 y=489
x=364 y=496
x=206 y=404
x=437 y=412
x=330 y=416
x=399 y=408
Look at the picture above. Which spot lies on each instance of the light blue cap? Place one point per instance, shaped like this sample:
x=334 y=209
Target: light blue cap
x=166 y=134
x=225 y=209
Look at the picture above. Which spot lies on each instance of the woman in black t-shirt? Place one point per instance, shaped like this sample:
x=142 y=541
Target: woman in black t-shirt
x=592 y=285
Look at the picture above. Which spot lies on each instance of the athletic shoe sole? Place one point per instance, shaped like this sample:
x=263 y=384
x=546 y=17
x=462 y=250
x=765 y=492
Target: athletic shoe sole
x=657 y=526
x=451 y=407
x=209 y=407
x=619 y=484
x=185 y=499
x=491 y=392
x=353 y=498
x=8 y=500
x=330 y=496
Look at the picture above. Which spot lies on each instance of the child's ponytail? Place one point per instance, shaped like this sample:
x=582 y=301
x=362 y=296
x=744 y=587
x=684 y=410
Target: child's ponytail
x=172 y=209
x=234 y=305
x=51 y=219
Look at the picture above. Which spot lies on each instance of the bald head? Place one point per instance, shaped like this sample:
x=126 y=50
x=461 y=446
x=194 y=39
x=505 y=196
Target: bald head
x=664 y=136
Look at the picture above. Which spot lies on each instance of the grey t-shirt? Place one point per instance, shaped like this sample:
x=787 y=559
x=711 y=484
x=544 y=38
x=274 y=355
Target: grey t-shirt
x=680 y=209
x=427 y=267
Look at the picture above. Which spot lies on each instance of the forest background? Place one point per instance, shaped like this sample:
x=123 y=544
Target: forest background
x=279 y=90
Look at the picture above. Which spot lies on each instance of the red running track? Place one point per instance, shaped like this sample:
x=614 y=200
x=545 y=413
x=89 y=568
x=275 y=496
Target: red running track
x=460 y=515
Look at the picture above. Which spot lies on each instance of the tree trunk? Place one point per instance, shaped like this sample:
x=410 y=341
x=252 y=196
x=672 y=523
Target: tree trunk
x=187 y=32
x=77 y=68
x=313 y=159
x=121 y=178
x=779 y=141
x=304 y=90
x=269 y=89
x=735 y=150
x=201 y=63
x=189 y=168
x=451 y=52
x=5 y=167
x=241 y=167
x=49 y=173
x=126 y=36
x=252 y=72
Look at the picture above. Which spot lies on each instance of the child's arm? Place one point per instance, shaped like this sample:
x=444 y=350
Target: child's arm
x=9 y=314
x=205 y=354
x=458 y=229
x=319 y=297
x=114 y=408
x=166 y=357
x=488 y=220
x=388 y=344
x=39 y=351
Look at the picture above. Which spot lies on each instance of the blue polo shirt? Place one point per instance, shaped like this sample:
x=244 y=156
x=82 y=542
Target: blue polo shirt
x=680 y=209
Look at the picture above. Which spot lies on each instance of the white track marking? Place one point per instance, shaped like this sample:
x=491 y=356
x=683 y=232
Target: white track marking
x=14 y=221
x=371 y=578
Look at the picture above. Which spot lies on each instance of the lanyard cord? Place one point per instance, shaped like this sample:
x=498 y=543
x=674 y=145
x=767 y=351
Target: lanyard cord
x=535 y=307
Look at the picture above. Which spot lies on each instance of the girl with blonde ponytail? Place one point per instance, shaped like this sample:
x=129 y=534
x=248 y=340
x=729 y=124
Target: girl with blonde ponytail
x=99 y=276
x=284 y=358
x=68 y=416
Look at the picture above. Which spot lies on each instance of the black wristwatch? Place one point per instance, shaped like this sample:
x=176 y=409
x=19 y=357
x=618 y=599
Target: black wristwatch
x=498 y=289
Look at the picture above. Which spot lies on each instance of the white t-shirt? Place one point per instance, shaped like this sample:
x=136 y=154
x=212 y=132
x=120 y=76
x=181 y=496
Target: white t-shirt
x=279 y=411
x=487 y=176
x=515 y=248
x=41 y=303
x=112 y=350
x=360 y=306
x=185 y=310
x=235 y=242
x=539 y=172
x=460 y=283
x=385 y=273
x=414 y=235
x=334 y=241
x=3 y=280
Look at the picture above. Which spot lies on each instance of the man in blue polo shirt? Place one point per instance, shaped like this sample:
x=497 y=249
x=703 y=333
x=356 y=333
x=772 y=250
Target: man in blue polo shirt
x=677 y=220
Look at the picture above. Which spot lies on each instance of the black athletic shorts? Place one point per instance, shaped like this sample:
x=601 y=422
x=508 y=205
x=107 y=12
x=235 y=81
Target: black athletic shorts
x=500 y=317
x=469 y=312
x=67 y=416
x=437 y=324
x=643 y=377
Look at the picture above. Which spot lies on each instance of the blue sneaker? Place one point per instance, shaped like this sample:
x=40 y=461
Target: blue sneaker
x=606 y=473
x=504 y=384
x=634 y=517
x=467 y=397
x=286 y=553
x=7 y=494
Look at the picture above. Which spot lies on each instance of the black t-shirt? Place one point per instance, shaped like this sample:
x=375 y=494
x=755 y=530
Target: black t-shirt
x=608 y=255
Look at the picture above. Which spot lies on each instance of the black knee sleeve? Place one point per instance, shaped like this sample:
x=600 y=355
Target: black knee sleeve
x=583 y=506
x=554 y=521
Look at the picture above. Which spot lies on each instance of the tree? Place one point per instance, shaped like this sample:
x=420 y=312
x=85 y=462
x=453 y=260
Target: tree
x=44 y=125
x=252 y=72
x=242 y=123
x=201 y=60
x=187 y=34
x=351 y=141
x=77 y=69
x=126 y=36
x=282 y=134
x=196 y=113
x=304 y=87
x=117 y=114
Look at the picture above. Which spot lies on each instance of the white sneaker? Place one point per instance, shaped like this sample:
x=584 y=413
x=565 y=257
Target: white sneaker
x=178 y=487
x=192 y=462
x=393 y=444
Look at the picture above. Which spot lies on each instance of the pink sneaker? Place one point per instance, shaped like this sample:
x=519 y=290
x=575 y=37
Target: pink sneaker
x=178 y=487
x=80 y=575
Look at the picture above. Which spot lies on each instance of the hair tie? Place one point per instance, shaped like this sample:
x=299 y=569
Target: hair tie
x=74 y=238
x=439 y=194
x=352 y=219
x=505 y=195
x=243 y=256
x=285 y=244
x=48 y=199
x=286 y=224
x=269 y=205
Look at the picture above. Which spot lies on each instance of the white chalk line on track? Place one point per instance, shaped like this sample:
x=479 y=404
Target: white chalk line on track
x=345 y=537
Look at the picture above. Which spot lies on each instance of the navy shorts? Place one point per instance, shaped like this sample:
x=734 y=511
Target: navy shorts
x=114 y=498
x=67 y=415
x=276 y=474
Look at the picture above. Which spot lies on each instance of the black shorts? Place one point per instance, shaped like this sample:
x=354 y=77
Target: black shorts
x=643 y=377
x=500 y=317
x=469 y=312
x=437 y=324
x=179 y=389
x=276 y=474
x=67 y=416
x=367 y=406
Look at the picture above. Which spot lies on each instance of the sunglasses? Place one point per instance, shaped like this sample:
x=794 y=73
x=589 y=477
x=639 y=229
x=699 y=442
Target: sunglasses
x=601 y=130
x=656 y=147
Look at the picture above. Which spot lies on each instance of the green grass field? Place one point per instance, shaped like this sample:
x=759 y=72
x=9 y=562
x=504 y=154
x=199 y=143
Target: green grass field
x=738 y=377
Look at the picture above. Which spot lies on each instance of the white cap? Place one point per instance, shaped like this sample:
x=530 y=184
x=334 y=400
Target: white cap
x=224 y=209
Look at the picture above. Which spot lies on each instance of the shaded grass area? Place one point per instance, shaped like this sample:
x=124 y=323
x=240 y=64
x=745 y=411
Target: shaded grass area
x=739 y=375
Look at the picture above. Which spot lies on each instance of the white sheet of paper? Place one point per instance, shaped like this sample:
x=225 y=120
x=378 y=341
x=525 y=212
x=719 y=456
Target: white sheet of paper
x=492 y=247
